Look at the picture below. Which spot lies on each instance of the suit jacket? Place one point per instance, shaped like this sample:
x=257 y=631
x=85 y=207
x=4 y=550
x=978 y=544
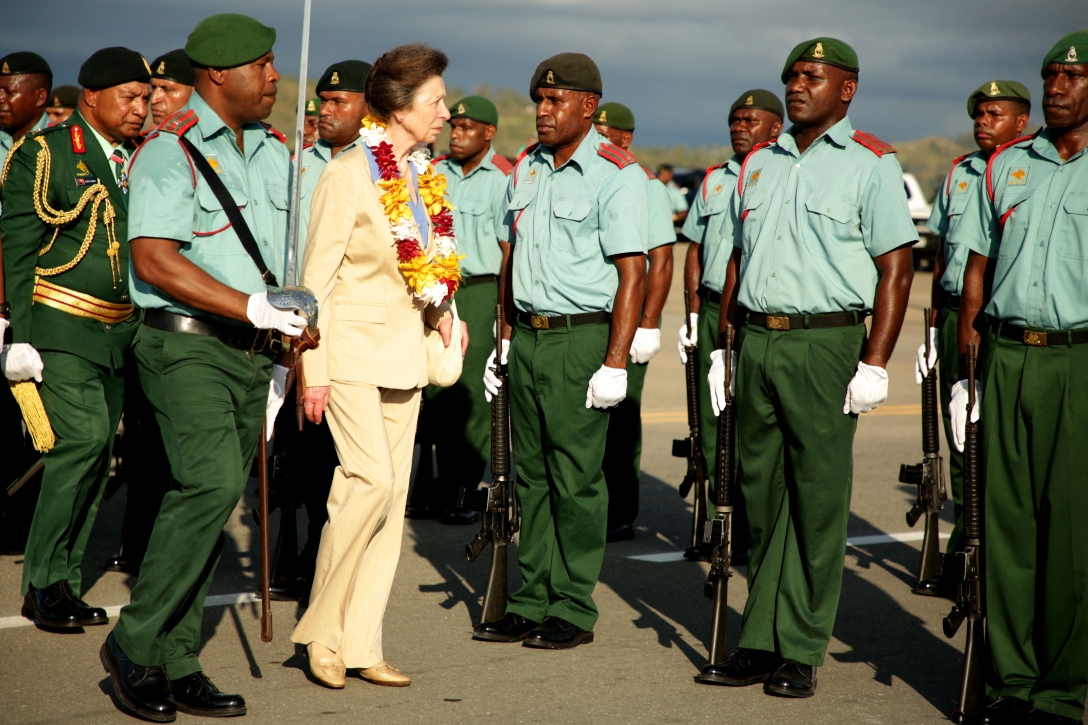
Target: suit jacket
x=371 y=326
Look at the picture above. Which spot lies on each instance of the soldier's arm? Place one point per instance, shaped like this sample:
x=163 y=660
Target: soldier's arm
x=627 y=308
x=624 y=221
x=732 y=267
x=892 y=291
x=23 y=233
x=159 y=263
x=936 y=292
x=977 y=231
x=692 y=230
x=661 y=239
x=504 y=229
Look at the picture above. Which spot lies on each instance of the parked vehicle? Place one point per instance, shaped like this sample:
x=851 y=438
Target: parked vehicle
x=925 y=250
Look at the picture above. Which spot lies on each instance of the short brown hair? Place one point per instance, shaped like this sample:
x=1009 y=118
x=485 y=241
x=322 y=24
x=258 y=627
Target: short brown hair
x=397 y=76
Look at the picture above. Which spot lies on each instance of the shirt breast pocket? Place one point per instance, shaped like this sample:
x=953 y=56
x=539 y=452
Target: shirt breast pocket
x=957 y=204
x=1014 y=220
x=211 y=224
x=517 y=208
x=575 y=225
x=1073 y=233
x=833 y=223
x=277 y=195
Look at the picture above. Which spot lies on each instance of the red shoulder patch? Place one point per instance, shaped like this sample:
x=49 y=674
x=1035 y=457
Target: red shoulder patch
x=268 y=127
x=180 y=122
x=649 y=174
x=997 y=152
x=616 y=155
x=502 y=164
x=874 y=144
x=744 y=164
x=706 y=177
x=78 y=145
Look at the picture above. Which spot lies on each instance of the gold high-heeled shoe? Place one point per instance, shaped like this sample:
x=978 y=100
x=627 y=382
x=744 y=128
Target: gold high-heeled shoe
x=386 y=675
x=329 y=671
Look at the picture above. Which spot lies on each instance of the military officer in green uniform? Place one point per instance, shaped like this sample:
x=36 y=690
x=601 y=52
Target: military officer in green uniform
x=823 y=238
x=312 y=119
x=1000 y=110
x=1027 y=229
x=171 y=84
x=573 y=286
x=62 y=103
x=25 y=82
x=623 y=449
x=66 y=277
x=204 y=348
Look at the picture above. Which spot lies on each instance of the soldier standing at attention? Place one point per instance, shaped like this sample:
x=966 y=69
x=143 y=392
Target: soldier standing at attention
x=1026 y=231
x=310 y=133
x=823 y=238
x=203 y=350
x=171 y=84
x=25 y=80
x=623 y=449
x=1000 y=110
x=477 y=178
x=66 y=278
x=62 y=103
x=573 y=286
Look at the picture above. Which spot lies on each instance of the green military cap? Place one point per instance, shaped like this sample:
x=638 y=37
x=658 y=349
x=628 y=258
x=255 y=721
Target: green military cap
x=1070 y=50
x=23 y=62
x=823 y=50
x=174 y=66
x=313 y=107
x=227 y=40
x=112 y=67
x=477 y=108
x=64 y=97
x=998 y=91
x=347 y=75
x=615 y=115
x=760 y=100
x=571 y=71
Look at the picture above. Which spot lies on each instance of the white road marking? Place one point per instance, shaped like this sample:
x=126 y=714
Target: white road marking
x=667 y=556
x=216 y=600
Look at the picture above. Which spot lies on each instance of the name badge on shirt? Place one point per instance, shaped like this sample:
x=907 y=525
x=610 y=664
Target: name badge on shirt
x=1018 y=176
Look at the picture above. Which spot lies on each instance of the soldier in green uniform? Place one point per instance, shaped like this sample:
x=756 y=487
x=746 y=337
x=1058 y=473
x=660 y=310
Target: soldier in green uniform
x=312 y=119
x=1027 y=230
x=66 y=278
x=62 y=103
x=171 y=84
x=25 y=81
x=623 y=449
x=823 y=238
x=204 y=348
x=573 y=286
x=1000 y=110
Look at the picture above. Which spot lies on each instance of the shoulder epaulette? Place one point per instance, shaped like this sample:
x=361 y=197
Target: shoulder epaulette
x=948 y=181
x=502 y=164
x=436 y=159
x=528 y=150
x=872 y=143
x=744 y=164
x=997 y=152
x=48 y=129
x=179 y=123
x=649 y=174
x=272 y=130
x=616 y=155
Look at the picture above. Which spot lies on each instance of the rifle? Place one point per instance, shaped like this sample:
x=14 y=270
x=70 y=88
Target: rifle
x=691 y=447
x=499 y=520
x=929 y=477
x=717 y=532
x=968 y=569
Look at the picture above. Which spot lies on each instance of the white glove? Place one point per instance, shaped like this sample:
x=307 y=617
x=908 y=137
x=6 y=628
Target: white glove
x=646 y=344
x=3 y=327
x=266 y=317
x=276 y=395
x=921 y=365
x=607 y=388
x=688 y=336
x=867 y=390
x=957 y=410
x=491 y=380
x=21 y=362
x=716 y=379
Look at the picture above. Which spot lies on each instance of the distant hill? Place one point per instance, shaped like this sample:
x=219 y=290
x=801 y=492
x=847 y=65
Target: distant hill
x=930 y=158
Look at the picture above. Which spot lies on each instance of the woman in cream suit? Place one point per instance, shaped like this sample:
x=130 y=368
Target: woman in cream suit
x=367 y=374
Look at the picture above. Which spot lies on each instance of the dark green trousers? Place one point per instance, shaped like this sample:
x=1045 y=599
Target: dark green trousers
x=559 y=448
x=623 y=450
x=209 y=401
x=948 y=370
x=1034 y=427
x=458 y=418
x=796 y=464
x=83 y=401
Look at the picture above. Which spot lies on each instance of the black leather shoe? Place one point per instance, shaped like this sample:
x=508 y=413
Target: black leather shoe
x=1038 y=717
x=458 y=517
x=511 y=628
x=556 y=633
x=742 y=668
x=56 y=607
x=1003 y=711
x=288 y=590
x=622 y=532
x=792 y=679
x=195 y=694
x=91 y=615
x=140 y=691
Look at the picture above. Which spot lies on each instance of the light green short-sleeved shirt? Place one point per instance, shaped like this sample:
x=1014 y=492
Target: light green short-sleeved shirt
x=315 y=158
x=659 y=228
x=811 y=224
x=959 y=187
x=477 y=200
x=676 y=198
x=566 y=223
x=169 y=199
x=710 y=222
x=1041 y=274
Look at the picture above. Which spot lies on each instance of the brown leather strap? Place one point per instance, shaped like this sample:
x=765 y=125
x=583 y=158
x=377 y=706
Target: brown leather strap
x=1042 y=338
x=801 y=322
x=235 y=336
x=557 y=322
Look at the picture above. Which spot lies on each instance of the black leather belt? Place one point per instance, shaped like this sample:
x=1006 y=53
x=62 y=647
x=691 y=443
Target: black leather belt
x=1042 y=338
x=710 y=295
x=801 y=322
x=952 y=302
x=235 y=336
x=479 y=279
x=545 y=322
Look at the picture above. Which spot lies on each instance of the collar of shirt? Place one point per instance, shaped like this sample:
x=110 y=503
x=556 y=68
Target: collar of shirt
x=1043 y=147
x=322 y=149
x=734 y=163
x=6 y=139
x=210 y=124
x=456 y=168
x=583 y=155
x=976 y=162
x=840 y=134
x=107 y=147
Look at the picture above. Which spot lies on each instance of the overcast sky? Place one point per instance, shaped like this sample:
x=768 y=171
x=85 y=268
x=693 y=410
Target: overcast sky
x=677 y=63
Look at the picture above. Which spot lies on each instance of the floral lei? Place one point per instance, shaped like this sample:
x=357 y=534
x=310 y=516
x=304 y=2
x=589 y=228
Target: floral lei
x=434 y=280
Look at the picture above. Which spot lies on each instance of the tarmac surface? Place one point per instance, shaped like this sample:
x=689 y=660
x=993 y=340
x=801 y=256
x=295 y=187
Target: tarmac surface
x=888 y=663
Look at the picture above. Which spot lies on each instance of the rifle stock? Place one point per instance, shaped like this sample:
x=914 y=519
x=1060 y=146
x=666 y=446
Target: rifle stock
x=691 y=447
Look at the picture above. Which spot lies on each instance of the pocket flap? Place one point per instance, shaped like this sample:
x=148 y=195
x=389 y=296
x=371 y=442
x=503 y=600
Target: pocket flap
x=833 y=207
x=1076 y=204
x=277 y=194
x=957 y=204
x=359 y=312
x=752 y=200
x=521 y=199
x=571 y=209
x=717 y=203
x=206 y=198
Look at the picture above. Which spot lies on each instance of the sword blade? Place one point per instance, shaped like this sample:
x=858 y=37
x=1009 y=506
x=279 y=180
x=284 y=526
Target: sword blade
x=291 y=276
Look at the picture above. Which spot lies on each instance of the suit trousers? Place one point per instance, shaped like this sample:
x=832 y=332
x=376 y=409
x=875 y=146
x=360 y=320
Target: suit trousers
x=374 y=431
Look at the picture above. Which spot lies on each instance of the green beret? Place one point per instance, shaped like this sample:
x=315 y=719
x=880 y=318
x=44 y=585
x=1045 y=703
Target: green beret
x=22 y=63
x=823 y=50
x=227 y=40
x=174 y=66
x=347 y=75
x=998 y=91
x=476 y=108
x=112 y=67
x=572 y=71
x=757 y=99
x=1070 y=50
x=64 y=97
x=615 y=115
x=313 y=107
